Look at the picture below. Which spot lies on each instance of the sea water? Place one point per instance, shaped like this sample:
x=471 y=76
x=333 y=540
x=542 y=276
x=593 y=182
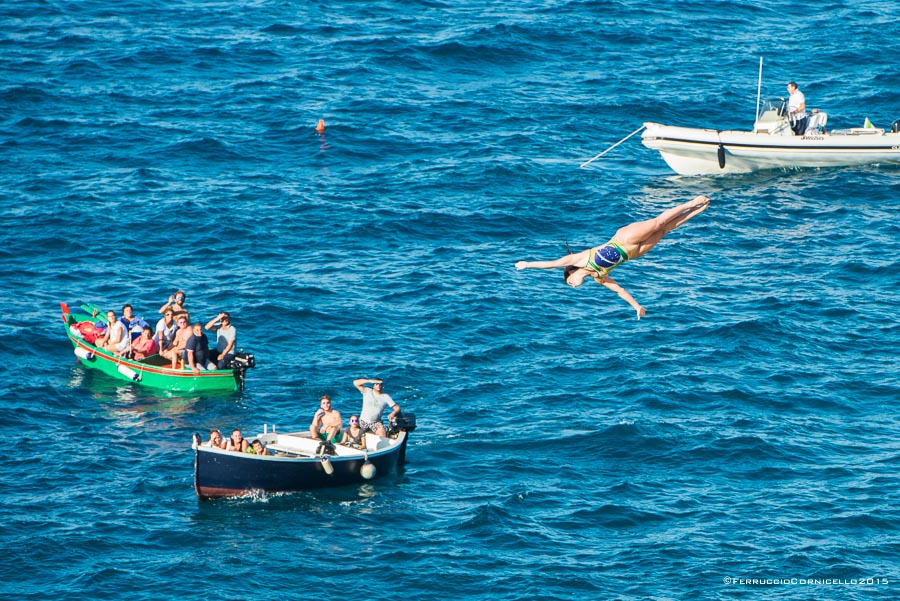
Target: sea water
x=739 y=442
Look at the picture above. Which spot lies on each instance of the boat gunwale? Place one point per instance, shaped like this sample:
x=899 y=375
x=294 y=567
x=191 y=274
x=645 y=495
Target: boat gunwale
x=162 y=377
x=147 y=367
x=806 y=143
x=892 y=147
x=352 y=454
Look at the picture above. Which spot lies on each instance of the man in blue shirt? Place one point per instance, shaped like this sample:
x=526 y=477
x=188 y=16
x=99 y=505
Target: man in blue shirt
x=196 y=350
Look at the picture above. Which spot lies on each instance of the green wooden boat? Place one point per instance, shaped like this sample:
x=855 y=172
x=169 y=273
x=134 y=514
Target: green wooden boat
x=154 y=371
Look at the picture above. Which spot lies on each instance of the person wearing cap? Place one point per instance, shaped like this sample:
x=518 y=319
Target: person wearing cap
x=226 y=337
x=374 y=402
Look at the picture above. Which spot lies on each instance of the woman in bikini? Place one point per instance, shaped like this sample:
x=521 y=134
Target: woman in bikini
x=630 y=242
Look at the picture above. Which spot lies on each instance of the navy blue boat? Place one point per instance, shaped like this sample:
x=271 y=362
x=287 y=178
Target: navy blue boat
x=295 y=462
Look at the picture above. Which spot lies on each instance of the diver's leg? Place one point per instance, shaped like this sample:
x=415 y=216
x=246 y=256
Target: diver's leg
x=638 y=238
x=665 y=222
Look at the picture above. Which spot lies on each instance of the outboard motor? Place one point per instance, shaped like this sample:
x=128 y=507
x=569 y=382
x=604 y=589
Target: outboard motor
x=895 y=127
x=405 y=422
x=240 y=364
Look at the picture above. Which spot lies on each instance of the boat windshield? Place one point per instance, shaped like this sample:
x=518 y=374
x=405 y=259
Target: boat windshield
x=777 y=105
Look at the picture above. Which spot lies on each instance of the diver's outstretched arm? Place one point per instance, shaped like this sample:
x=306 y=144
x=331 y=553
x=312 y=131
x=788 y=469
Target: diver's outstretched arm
x=577 y=260
x=623 y=294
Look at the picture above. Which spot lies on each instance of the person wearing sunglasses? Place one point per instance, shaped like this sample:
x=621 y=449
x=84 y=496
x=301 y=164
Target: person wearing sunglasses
x=354 y=435
x=175 y=304
x=375 y=400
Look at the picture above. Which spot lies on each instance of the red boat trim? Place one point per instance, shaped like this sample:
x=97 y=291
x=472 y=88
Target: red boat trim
x=147 y=368
x=210 y=492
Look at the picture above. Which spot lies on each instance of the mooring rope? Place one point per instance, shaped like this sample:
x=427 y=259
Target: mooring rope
x=586 y=163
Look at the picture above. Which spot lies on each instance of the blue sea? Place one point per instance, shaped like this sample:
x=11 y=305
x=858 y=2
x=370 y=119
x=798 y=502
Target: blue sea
x=739 y=442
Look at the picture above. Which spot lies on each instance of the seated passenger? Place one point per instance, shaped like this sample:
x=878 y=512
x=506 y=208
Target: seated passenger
x=115 y=338
x=165 y=331
x=226 y=337
x=196 y=350
x=173 y=353
x=354 y=435
x=257 y=448
x=326 y=423
x=127 y=317
x=236 y=442
x=215 y=439
x=144 y=346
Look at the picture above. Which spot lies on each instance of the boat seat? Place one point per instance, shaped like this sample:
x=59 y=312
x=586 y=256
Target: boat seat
x=816 y=121
x=375 y=442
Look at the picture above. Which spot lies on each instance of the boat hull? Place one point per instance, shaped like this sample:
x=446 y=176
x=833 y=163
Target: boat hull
x=219 y=473
x=691 y=151
x=150 y=373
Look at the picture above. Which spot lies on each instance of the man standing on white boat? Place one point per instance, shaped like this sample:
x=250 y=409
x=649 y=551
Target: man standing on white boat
x=375 y=401
x=797 y=109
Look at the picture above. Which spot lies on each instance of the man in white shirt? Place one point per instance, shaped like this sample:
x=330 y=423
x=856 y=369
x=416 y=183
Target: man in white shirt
x=797 y=109
x=374 y=402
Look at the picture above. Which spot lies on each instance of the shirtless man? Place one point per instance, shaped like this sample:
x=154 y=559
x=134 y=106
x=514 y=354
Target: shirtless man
x=630 y=242
x=178 y=343
x=327 y=422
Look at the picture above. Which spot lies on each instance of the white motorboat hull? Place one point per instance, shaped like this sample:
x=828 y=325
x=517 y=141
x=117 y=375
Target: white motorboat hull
x=692 y=151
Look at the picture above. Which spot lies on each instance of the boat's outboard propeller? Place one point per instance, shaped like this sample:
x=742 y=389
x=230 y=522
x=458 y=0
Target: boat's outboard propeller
x=403 y=422
x=240 y=364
